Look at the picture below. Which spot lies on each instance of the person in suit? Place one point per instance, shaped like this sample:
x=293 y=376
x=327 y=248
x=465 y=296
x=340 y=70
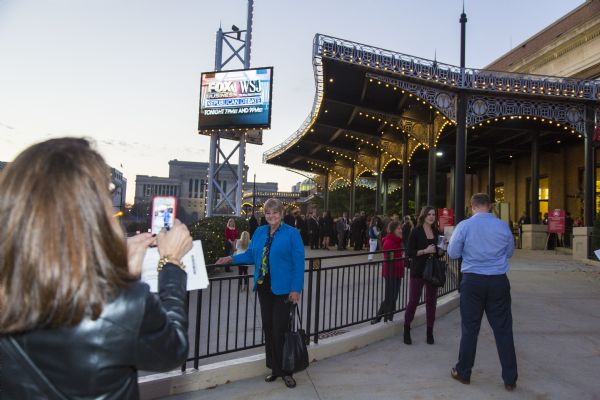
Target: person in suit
x=253 y=224
x=422 y=244
x=485 y=243
x=325 y=229
x=301 y=226
x=356 y=232
x=289 y=218
x=313 y=230
x=341 y=227
x=277 y=253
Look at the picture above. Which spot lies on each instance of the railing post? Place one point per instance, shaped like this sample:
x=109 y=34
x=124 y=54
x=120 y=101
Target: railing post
x=309 y=297
x=317 y=267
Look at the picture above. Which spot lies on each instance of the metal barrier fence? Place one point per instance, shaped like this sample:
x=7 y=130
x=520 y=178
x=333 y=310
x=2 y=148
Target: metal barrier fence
x=339 y=291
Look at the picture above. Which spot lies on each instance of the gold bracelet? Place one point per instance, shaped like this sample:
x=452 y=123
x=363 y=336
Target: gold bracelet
x=169 y=259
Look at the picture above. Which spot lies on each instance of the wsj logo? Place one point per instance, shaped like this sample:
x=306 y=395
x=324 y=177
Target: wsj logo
x=243 y=87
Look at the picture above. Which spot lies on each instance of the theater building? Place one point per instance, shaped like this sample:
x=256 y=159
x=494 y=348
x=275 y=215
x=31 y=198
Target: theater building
x=438 y=133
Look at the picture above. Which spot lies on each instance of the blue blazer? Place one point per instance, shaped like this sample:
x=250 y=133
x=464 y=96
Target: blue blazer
x=286 y=258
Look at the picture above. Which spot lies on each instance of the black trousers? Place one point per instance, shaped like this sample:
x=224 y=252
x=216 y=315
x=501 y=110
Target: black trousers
x=489 y=294
x=314 y=240
x=275 y=312
x=341 y=244
x=392 y=290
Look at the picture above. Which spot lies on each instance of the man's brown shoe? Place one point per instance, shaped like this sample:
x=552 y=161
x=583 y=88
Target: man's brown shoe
x=509 y=387
x=455 y=375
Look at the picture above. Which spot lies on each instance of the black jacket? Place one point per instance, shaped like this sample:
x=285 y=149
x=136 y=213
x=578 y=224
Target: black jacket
x=99 y=359
x=290 y=220
x=418 y=241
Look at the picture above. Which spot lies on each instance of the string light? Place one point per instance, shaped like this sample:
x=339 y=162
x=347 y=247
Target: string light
x=565 y=127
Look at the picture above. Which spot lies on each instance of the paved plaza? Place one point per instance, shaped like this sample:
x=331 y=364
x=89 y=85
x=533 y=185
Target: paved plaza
x=556 y=310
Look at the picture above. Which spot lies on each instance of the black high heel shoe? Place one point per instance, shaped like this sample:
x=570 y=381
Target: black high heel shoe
x=407 y=338
x=376 y=320
x=430 y=336
x=271 y=378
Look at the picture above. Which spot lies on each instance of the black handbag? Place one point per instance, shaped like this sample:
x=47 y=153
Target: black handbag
x=295 y=353
x=435 y=272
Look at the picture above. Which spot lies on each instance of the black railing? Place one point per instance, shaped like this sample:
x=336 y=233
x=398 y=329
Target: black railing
x=339 y=292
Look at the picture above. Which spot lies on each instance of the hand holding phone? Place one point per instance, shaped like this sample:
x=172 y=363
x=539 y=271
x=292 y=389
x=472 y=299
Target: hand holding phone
x=174 y=243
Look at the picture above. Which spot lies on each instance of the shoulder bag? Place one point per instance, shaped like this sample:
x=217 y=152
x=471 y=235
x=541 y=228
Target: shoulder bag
x=435 y=271
x=295 y=353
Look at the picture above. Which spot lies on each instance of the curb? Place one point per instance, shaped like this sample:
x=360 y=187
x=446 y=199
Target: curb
x=220 y=373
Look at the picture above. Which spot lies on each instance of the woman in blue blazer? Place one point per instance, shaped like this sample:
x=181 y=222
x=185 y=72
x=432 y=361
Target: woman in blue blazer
x=277 y=252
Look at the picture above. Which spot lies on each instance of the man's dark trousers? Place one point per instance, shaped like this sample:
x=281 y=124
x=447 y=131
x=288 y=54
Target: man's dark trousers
x=489 y=294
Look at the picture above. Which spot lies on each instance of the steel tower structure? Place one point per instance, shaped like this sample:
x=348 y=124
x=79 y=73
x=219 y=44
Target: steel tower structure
x=239 y=42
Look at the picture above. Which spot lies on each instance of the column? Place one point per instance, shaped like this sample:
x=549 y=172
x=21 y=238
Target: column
x=386 y=183
x=461 y=157
x=240 y=175
x=405 y=177
x=326 y=193
x=450 y=200
x=352 y=193
x=431 y=168
x=535 y=179
x=417 y=181
x=589 y=179
x=378 y=185
x=492 y=174
x=210 y=195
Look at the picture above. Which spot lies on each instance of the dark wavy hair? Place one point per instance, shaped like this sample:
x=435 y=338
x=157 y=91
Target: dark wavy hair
x=424 y=211
x=62 y=253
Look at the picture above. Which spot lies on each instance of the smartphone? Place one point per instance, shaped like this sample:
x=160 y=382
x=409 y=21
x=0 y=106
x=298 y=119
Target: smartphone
x=163 y=213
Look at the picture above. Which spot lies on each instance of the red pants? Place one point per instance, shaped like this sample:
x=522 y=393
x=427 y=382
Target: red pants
x=414 y=293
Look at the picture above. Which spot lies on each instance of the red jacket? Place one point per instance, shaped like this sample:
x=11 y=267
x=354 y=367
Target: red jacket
x=231 y=234
x=396 y=266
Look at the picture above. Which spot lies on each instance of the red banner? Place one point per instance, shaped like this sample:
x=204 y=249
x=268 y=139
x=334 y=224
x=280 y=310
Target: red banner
x=556 y=221
x=445 y=217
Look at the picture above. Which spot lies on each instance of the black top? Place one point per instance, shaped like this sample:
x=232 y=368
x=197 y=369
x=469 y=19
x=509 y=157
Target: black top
x=418 y=241
x=99 y=359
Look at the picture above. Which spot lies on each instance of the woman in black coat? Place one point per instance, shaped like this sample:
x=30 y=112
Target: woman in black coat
x=422 y=245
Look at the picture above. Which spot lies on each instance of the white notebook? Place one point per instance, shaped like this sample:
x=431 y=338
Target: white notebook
x=197 y=278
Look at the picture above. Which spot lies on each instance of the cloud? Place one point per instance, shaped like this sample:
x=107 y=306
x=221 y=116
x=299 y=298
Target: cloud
x=6 y=125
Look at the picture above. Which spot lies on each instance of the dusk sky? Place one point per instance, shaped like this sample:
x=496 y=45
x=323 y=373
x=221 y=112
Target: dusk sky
x=126 y=73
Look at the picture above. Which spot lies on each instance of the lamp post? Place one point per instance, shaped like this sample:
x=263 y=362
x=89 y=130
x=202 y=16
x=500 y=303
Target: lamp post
x=254 y=194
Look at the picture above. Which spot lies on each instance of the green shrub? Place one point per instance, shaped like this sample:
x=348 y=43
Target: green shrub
x=211 y=231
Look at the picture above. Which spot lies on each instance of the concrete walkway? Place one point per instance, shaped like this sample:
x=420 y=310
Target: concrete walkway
x=556 y=310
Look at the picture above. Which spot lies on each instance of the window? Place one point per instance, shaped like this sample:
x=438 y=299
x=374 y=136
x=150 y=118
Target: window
x=195 y=188
x=544 y=195
x=190 y=192
x=597 y=190
x=201 y=188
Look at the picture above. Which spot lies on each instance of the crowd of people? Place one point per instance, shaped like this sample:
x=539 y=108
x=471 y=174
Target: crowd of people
x=320 y=230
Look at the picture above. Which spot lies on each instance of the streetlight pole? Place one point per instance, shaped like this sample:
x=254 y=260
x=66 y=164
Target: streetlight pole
x=254 y=194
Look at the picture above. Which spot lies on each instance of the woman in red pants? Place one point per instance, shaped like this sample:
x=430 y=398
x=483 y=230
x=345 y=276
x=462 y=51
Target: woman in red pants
x=422 y=245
